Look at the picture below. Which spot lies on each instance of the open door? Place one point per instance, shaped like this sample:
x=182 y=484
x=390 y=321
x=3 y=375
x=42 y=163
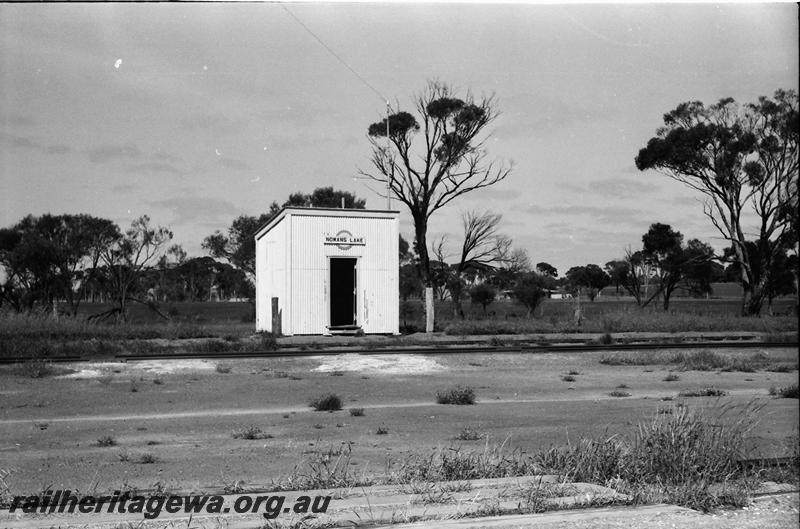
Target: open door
x=343 y=292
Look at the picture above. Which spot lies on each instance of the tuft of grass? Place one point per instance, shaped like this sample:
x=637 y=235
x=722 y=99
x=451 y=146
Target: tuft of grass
x=250 y=432
x=382 y=430
x=568 y=378
x=460 y=395
x=672 y=377
x=356 y=412
x=329 y=402
x=106 y=440
x=687 y=457
x=148 y=458
x=619 y=393
x=703 y=392
x=223 y=368
x=573 y=372
x=468 y=433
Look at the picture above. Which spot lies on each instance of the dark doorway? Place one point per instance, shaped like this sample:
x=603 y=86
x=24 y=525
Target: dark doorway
x=343 y=292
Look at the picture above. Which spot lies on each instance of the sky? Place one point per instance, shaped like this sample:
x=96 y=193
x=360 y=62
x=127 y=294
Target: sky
x=197 y=113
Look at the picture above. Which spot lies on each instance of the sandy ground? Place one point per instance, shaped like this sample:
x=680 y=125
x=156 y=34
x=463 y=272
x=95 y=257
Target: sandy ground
x=184 y=413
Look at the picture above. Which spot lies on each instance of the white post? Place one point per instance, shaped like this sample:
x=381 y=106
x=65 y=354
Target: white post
x=428 y=309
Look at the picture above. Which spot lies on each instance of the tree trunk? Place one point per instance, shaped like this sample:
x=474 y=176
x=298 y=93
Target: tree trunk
x=421 y=230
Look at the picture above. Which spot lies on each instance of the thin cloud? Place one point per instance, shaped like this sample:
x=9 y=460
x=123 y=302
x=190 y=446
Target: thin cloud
x=214 y=122
x=189 y=210
x=153 y=168
x=108 y=153
x=233 y=163
x=620 y=187
x=25 y=142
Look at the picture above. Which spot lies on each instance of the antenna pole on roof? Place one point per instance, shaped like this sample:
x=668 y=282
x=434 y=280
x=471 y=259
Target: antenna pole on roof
x=388 y=178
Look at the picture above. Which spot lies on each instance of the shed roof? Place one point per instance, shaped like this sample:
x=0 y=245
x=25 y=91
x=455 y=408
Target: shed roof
x=324 y=212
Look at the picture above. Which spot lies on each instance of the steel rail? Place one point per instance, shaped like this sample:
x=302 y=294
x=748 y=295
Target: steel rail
x=299 y=352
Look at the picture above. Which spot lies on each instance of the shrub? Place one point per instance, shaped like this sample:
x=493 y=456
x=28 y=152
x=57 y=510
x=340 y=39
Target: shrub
x=148 y=458
x=468 y=433
x=789 y=392
x=619 y=393
x=250 y=432
x=106 y=440
x=329 y=402
x=482 y=294
x=606 y=339
x=704 y=392
x=356 y=412
x=568 y=378
x=382 y=430
x=459 y=394
x=223 y=368
x=672 y=377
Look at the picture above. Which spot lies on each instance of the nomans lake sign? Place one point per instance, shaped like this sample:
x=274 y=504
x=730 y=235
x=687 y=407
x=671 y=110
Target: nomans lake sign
x=344 y=240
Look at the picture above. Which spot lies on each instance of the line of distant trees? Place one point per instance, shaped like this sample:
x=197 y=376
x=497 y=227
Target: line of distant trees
x=57 y=262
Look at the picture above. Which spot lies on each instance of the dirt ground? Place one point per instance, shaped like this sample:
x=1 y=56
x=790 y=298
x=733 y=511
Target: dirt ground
x=183 y=413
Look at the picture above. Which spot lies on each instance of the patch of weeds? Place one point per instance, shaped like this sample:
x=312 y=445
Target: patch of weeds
x=703 y=392
x=606 y=339
x=286 y=415
x=460 y=395
x=329 y=402
x=496 y=342
x=475 y=364
x=39 y=368
x=234 y=487
x=152 y=443
x=336 y=373
x=568 y=378
x=124 y=456
x=295 y=377
x=622 y=386
x=318 y=426
x=573 y=372
x=106 y=440
x=223 y=368
x=157 y=381
x=250 y=432
x=148 y=458
x=781 y=368
x=268 y=342
x=789 y=392
x=382 y=430
x=619 y=393
x=356 y=412
x=672 y=377
x=468 y=433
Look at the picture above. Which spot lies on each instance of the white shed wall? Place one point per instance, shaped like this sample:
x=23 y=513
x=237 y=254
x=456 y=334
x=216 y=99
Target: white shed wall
x=292 y=263
x=272 y=277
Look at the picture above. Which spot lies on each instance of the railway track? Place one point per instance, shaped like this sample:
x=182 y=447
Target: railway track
x=531 y=348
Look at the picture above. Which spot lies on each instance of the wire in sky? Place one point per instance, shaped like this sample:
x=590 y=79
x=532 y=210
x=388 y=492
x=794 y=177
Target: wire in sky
x=383 y=99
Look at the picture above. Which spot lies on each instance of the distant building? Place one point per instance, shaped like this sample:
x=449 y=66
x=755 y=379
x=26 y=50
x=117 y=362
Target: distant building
x=328 y=271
